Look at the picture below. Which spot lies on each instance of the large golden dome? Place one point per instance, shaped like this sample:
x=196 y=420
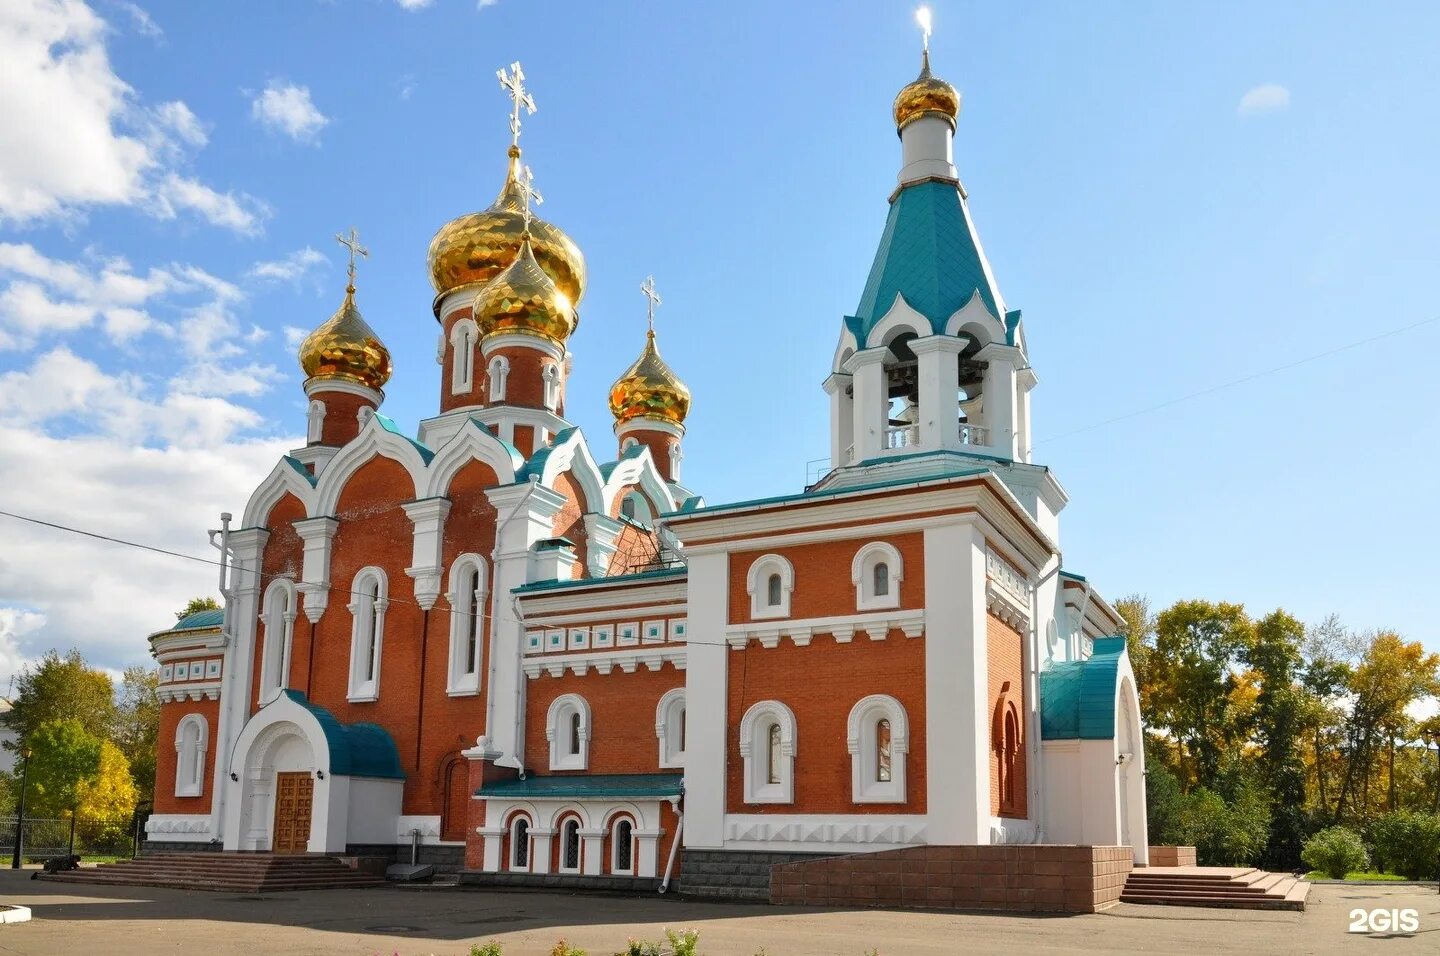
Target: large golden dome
x=345 y=349
x=650 y=389
x=473 y=249
x=926 y=95
x=524 y=298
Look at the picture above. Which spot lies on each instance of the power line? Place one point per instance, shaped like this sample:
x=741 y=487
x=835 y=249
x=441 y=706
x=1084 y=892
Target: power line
x=1241 y=381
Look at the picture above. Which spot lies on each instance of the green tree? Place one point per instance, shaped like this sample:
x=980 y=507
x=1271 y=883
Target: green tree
x=63 y=756
x=137 y=725
x=61 y=688
x=1139 y=641
x=109 y=795
x=1274 y=654
x=196 y=605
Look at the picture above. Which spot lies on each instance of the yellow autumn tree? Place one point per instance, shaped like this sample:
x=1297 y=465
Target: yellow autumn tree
x=109 y=796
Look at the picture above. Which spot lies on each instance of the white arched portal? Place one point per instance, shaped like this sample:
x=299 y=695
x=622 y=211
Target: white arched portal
x=281 y=748
x=1130 y=775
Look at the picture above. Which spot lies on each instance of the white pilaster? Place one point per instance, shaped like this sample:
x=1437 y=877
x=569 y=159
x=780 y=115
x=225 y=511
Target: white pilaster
x=318 y=535
x=493 y=839
x=428 y=517
x=242 y=608
x=540 y=849
x=957 y=765
x=602 y=536
x=592 y=851
x=1027 y=380
x=939 y=376
x=647 y=862
x=1000 y=390
x=708 y=596
x=842 y=418
x=872 y=405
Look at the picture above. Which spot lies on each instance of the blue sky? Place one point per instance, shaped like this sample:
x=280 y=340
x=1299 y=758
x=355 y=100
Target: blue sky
x=1176 y=197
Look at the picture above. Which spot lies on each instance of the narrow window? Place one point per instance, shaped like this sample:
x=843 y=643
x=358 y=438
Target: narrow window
x=572 y=845
x=772 y=760
x=1007 y=760
x=772 y=590
x=882 y=750
x=627 y=507
x=372 y=647
x=471 y=623
x=882 y=579
x=520 y=839
x=623 y=839
x=682 y=730
x=575 y=733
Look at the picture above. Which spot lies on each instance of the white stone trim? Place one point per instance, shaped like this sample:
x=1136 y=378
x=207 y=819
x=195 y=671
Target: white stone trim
x=862 y=575
x=367 y=633
x=469 y=442
x=670 y=727
x=517 y=340
x=499 y=371
x=182 y=692
x=626 y=660
x=373 y=395
x=861 y=742
x=558 y=728
x=190 y=755
x=279 y=609
x=178 y=828
x=836 y=833
x=282 y=480
x=314 y=421
x=755 y=752
x=875 y=626
x=463 y=335
x=633 y=425
x=374 y=439
x=758 y=580
x=459 y=681
x=1007 y=591
x=641 y=472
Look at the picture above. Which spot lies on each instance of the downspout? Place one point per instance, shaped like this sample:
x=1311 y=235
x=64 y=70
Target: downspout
x=512 y=761
x=218 y=790
x=1034 y=732
x=674 y=845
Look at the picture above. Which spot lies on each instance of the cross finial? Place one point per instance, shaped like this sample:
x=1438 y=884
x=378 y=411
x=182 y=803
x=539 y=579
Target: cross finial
x=352 y=242
x=652 y=299
x=513 y=83
x=525 y=183
x=922 y=17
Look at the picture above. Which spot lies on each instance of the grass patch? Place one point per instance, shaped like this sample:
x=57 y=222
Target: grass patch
x=1358 y=875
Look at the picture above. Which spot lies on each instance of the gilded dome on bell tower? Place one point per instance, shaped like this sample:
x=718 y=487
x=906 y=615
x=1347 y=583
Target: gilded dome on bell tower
x=650 y=389
x=523 y=298
x=926 y=95
x=344 y=348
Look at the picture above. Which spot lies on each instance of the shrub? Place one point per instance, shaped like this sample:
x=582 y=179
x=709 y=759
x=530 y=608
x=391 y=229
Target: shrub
x=641 y=947
x=683 y=941
x=562 y=948
x=491 y=948
x=1232 y=834
x=1335 y=851
x=1407 y=843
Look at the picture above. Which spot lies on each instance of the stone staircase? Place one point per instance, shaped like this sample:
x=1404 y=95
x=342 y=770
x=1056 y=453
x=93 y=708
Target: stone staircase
x=225 y=872
x=1225 y=886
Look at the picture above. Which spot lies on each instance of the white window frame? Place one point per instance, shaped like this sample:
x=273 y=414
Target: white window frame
x=615 y=821
x=550 y=375
x=757 y=582
x=279 y=610
x=499 y=372
x=557 y=732
x=564 y=819
x=314 y=422
x=676 y=456
x=529 y=863
x=629 y=442
x=861 y=726
x=462 y=356
x=367 y=633
x=190 y=755
x=755 y=751
x=459 y=683
x=670 y=727
x=862 y=575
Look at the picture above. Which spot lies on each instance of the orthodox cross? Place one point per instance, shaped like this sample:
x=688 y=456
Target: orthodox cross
x=513 y=83
x=647 y=288
x=352 y=242
x=922 y=17
x=526 y=184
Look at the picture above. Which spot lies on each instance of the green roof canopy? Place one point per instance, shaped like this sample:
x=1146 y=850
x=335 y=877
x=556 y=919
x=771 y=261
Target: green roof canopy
x=580 y=786
x=358 y=750
x=199 y=621
x=1077 y=698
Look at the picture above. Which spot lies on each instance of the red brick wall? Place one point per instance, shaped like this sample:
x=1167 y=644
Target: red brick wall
x=165 y=758
x=341 y=423
x=570 y=521
x=622 y=714
x=821 y=683
x=822 y=576
x=1036 y=878
x=1006 y=653
x=633 y=548
x=524 y=384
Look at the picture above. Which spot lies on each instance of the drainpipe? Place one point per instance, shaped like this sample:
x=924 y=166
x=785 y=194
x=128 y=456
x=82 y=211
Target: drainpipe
x=674 y=845
x=513 y=760
x=1032 y=679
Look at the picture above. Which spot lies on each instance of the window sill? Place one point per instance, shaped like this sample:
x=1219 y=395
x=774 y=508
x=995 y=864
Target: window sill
x=363 y=697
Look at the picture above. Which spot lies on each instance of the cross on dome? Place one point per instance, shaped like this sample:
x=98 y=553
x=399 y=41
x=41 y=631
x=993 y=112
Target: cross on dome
x=525 y=183
x=652 y=300
x=352 y=243
x=922 y=17
x=513 y=83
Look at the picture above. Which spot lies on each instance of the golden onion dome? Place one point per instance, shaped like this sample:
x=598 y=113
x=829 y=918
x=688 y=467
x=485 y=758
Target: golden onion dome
x=650 y=389
x=524 y=298
x=346 y=349
x=472 y=250
x=926 y=95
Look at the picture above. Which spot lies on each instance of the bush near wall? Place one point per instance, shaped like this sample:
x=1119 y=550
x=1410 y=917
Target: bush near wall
x=1335 y=851
x=1407 y=843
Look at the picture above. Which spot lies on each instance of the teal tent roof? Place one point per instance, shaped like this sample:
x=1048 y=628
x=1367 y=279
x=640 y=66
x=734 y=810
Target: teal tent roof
x=199 y=621
x=357 y=750
x=930 y=253
x=1077 y=698
x=578 y=786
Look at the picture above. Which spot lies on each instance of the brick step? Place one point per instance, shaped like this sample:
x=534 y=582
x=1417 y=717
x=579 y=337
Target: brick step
x=1237 y=888
x=224 y=873
x=214 y=885
x=1177 y=885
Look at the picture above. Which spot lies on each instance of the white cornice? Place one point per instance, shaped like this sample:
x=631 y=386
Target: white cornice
x=514 y=340
x=595 y=598
x=673 y=429
x=313 y=385
x=592 y=616
x=843 y=628
x=168 y=693
x=627 y=661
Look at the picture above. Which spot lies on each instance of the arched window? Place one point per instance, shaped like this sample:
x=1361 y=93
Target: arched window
x=877 y=572
x=520 y=843
x=570 y=846
x=499 y=372
x=622 y=851
x=551 y=377
x=462 y=365
x=676 y=456
x=567 y=727
x=627 y=507
x=314 y=422
x=770 y=581
x=1007 y=743
x=369 y=598
x=670 y=727
x=279 y=607
x=877 y=735
x=467 y=597
x=1007 y=761
x=767 y=748
x=191 y=740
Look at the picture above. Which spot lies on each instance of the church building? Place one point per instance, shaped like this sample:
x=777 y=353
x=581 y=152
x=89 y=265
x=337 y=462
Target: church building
x=541 y=655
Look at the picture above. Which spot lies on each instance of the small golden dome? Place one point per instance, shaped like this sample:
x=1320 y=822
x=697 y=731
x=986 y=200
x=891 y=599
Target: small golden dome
x=473 y=249
x=346 y=349
x=524 y=298
x=650 y=389
x=927 y=95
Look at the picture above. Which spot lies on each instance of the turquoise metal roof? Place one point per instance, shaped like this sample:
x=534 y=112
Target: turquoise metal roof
x=199 y=621
x=300 y=467
x=600 y=582
x=830 y=492
x=389 y=425
x=580 y=786
x=1077 y=698
x=357 y=750
x=929 y=253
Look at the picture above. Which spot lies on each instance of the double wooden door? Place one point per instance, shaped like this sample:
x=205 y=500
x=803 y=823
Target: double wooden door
x=294 y=793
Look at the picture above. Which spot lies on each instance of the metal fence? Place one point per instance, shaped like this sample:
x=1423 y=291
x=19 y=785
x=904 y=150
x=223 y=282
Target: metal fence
x=47 y=838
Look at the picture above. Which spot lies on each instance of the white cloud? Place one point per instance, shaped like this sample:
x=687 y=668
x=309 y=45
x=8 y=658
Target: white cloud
x=414 y=4
x=288 y=109
x=482 y=4
x=141 y=20
x=75 y=135
x=1265 y=98
x=294 y=335
x=292 y=268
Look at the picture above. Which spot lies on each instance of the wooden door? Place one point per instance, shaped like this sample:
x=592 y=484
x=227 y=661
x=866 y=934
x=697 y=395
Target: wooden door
x=293 y=796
